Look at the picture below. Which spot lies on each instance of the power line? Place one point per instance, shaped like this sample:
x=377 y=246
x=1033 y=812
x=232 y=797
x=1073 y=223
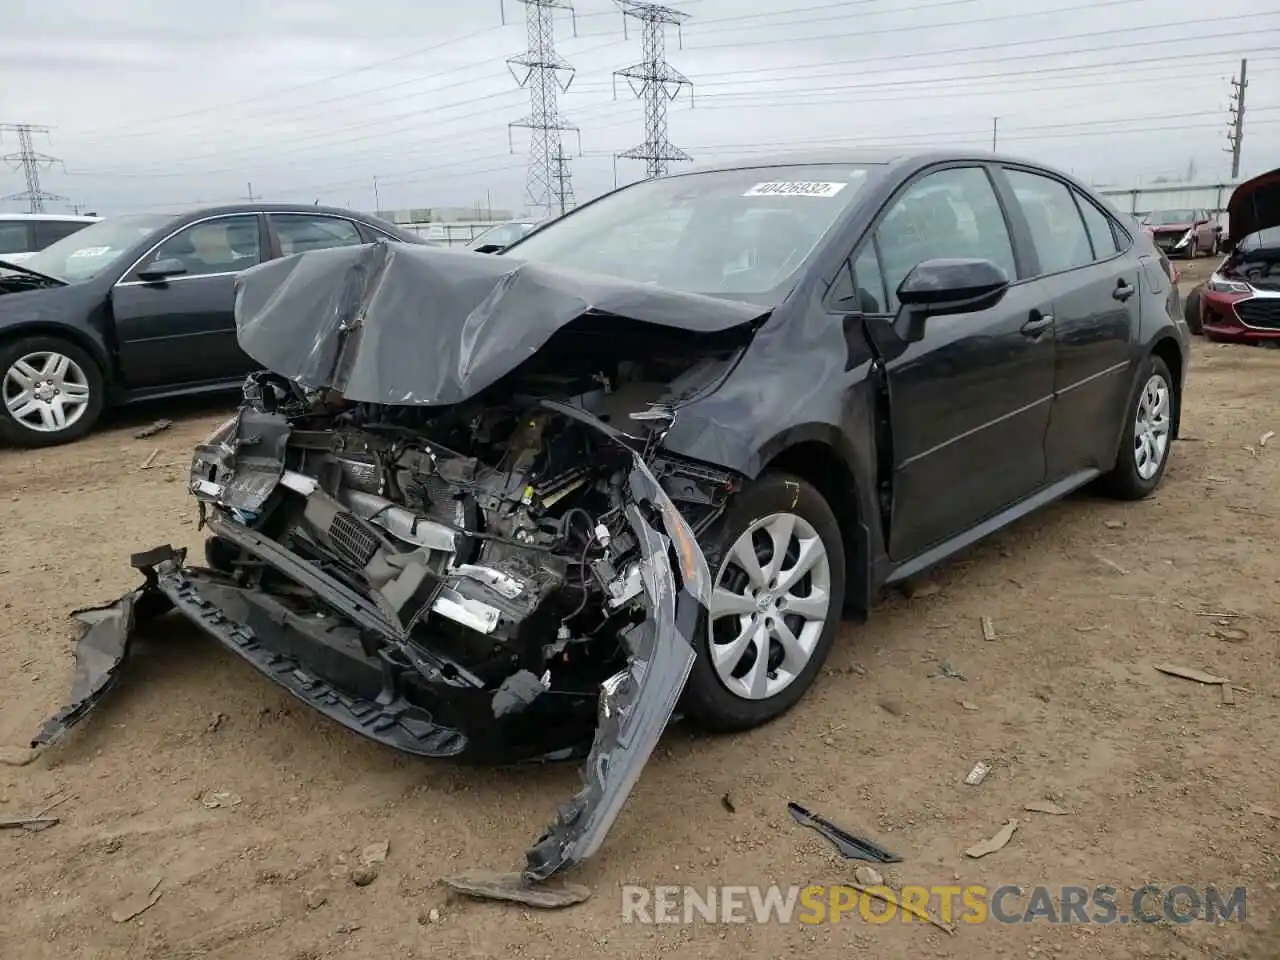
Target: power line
x=546 y=74
x=31 y=162
x=656 y=81
x=1235 y=138
x=413 y=121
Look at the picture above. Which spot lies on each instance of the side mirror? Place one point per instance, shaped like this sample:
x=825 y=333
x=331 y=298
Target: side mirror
x=1217 y=229
x=162 y=270
x=939 y=287
x=489 y=248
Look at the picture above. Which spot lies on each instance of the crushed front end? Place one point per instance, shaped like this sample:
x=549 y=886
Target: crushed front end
x=496 y=582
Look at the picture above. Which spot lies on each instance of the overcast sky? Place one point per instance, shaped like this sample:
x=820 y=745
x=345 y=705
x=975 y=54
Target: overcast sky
x=164 y=105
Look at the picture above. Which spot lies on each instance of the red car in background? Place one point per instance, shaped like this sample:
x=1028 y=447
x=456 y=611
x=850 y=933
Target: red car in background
x=1241 y=301
x=1183 y=233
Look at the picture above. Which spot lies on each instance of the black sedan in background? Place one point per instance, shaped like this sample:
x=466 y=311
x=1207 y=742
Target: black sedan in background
x=140 y=307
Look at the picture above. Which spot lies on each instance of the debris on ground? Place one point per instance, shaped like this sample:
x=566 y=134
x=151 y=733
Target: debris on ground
x=151 y=460
x=1113 y=524
x=1262 y=440
x=1106 y=562
x=30 y=824
x=215 y=722
x=429 y=916
x=491 y=885
x=363 y=874
x=868 y=875
x=220 y=798
x=345 y=928
x=967 y=705
x=315 y=897
x=887 y=896
x=893 y=705
x=158 y=427
x=998 y=842
x=948 y=671
x=978 y=773
x=1190 y=673
x=375 y=852
x=1228 y=695
x=1046 y=806
x=850 y=847
x=137 y=902
x=1230 y=634
x=1265 y=812
x=727 y=802
x=988 y=629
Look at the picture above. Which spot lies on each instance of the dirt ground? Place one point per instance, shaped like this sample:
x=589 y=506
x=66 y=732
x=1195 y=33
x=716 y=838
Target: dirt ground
x=1164 y=784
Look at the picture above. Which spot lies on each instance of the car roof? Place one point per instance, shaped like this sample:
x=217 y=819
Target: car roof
x=59 y=217
x=230 y=208
x=873 y=156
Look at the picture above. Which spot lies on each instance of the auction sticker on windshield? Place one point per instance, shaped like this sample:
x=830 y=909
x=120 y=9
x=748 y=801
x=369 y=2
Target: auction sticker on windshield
x=795 y=189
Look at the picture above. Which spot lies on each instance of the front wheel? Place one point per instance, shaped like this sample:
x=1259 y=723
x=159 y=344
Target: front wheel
x=1148 y=435
x=779 y=565
x=1191 y=311
x=51 y=391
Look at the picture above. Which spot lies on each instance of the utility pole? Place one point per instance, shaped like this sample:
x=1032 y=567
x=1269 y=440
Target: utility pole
x=563 y=184
x=656 y=81
x=249 y=196
x=31 y=162
x=995 y=127
x=545 y=74
x=1235 y=135
x=377 y=201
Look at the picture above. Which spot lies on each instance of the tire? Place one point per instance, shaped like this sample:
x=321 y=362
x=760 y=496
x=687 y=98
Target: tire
x=1193 y=248
x=1191 y=310
x=716 y=699
x=1131 y=478
x=79 y=373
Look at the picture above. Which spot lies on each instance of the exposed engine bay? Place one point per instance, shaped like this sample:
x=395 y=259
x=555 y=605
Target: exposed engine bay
x=463 y=540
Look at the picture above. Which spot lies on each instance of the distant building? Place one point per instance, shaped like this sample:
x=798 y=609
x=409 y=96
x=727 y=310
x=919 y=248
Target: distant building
x=452 y=225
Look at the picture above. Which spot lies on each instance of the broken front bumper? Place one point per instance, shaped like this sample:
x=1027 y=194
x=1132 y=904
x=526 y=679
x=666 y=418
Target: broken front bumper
x=632 y=709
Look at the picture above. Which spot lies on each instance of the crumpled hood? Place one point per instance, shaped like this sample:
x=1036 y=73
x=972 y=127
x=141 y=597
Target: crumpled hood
x=398 y=324
x=1254 y=205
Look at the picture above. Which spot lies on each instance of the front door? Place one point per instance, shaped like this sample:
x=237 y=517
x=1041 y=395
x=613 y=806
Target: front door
x=970 y=402
x=182 y=330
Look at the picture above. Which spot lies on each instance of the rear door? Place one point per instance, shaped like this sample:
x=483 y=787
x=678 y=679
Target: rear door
x=970 y=402
x=299 y=232
x=1081 y=261
x=182 y=330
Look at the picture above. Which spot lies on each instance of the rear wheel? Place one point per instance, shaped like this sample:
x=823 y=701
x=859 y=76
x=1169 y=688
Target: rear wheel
x=1148 y=435
x=51 y=391
x=1191 y=310
x=779 y=566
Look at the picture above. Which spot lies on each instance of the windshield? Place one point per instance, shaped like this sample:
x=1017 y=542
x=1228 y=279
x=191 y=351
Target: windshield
x=503 y=234
x=88 y=252
x=1161 y=217
x=742 y=234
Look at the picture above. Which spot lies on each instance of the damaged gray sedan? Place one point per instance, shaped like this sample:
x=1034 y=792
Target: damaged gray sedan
x=528 y=506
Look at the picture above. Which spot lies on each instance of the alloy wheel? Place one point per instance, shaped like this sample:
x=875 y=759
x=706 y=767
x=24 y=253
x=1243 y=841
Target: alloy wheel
x=770 y=605
x=1152 y=426
x=45 y=391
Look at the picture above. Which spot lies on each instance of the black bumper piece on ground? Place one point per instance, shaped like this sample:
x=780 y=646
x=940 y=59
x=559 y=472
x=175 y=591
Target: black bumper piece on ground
x=633 y=706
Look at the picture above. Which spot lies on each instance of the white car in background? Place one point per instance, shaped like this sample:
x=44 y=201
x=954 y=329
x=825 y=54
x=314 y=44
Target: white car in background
x=22 y=234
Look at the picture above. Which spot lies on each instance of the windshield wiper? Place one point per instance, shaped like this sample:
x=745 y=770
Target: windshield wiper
x=19 y=268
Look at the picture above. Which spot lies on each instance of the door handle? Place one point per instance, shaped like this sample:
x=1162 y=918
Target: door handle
x=1037 y=324
x=1123 y=291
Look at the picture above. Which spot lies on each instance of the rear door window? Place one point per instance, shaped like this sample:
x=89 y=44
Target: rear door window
x=15 y=237
x=1098 y=225
x=299 y=233
x=1057 y=230
x=51 y=231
